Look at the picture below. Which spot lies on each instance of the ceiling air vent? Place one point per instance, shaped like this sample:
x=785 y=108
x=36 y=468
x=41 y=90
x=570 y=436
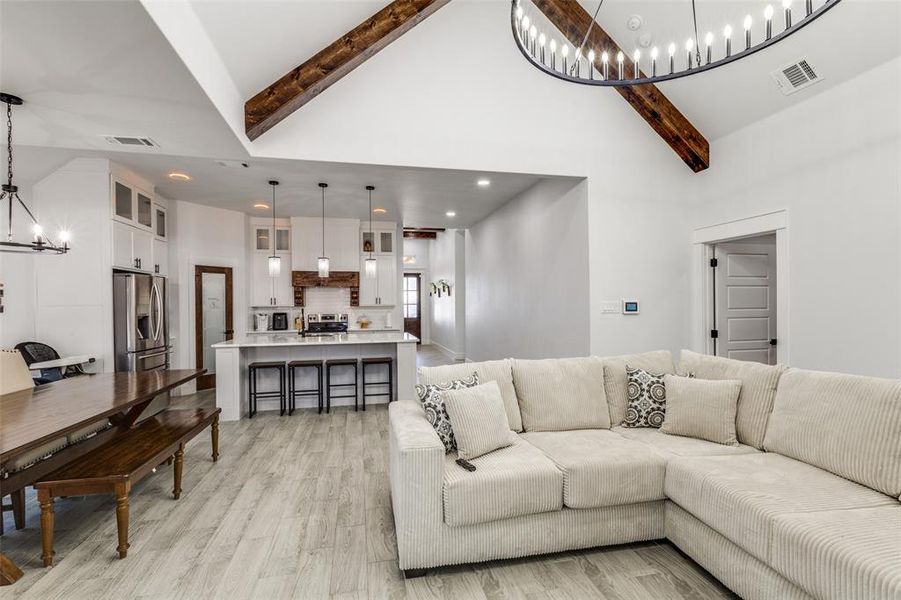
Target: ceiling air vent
x=232 y=164
x=123 y=140
x=796 y=76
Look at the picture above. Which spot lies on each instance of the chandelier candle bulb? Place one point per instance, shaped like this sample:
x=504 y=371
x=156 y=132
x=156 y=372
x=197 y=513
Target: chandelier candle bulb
x=689 y=46
x=672 y=57
x=636 y=58
x=619 y=61
x=787 y=5
x=524 y=30
x=605 y=58
x=577 y=64
x=768 y=15
x=748 y=22
x=38 y=233
x=727 y=35
x=565 y=53
x=553 y=54
x=533 y=33
x=591 y=64
x=654 y=53
x=708 y=41
x=541 y=41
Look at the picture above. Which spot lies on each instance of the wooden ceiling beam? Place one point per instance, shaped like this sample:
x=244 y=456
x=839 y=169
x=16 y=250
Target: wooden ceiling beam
x=676 y=130
x=332 y=63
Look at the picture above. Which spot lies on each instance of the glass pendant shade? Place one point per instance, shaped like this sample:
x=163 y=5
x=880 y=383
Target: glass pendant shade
x=275 y=266
x=370 y=268
x=323 y=266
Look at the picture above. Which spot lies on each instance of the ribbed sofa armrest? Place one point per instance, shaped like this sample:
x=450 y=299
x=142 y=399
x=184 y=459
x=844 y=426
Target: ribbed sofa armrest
x=416 y=473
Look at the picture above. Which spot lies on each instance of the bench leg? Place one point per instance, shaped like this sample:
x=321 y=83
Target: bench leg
x=18 y=500
x=122 y=519
x=214 y=435
x=179 y=461
x=46 y=502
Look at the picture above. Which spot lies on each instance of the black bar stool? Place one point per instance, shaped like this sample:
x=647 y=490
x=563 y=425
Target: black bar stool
x=372 y=362
x=255 y=395
x=294 y=393
x=339 y=362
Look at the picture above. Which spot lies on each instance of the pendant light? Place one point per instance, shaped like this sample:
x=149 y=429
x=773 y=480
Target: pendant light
x=275 y=261
x=40 y=242
x=370 y=265
x=323 y=259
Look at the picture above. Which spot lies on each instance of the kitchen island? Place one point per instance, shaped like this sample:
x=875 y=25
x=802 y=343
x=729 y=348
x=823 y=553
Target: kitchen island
x=233 y=356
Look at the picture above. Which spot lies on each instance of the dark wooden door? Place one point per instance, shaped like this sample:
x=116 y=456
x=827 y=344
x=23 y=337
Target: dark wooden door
x=412 y=304
x=213 y=318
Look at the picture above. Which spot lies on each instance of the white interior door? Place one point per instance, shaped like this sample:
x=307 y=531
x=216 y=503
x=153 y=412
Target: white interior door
x=746 y=300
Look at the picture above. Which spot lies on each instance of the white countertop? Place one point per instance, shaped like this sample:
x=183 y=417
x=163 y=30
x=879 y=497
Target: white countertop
x=293 y=339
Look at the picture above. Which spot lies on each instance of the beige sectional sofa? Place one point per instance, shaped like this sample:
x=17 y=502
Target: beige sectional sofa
x=805 y=506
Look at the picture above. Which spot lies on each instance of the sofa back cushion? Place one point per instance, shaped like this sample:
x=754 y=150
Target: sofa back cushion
x=758 y=389
x=616 y=383
x=846 y=424
x=493 y=370
x=561 y=393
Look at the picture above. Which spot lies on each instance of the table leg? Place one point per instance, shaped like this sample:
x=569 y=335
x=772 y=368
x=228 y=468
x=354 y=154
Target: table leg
x=214 y=434
x=18 y=500
x=179 y=462
x=45 y=499
x=9 y=572
x=122 y=518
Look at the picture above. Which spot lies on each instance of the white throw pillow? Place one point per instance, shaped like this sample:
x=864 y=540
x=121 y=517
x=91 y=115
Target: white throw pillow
x=479 y=420
x=432 y=398
x=701 y=408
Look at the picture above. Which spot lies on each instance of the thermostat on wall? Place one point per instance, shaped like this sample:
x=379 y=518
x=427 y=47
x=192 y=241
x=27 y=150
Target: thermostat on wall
x=630 y=307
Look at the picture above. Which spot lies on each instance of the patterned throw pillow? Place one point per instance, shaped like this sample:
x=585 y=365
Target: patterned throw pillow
x=432 y=398
x=646 y=399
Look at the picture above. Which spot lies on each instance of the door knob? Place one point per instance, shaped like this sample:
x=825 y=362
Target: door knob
x=773 y=342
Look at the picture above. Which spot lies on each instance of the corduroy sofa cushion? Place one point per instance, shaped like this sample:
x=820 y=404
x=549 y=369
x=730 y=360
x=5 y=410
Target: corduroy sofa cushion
x=677 y=445
x=841 y=554
x=739 y=496
x=758 y=389
x=616 y=382
x=846 y=424
x=492 y=370
x=601 y=468
x=510 y=482
x=561 y=394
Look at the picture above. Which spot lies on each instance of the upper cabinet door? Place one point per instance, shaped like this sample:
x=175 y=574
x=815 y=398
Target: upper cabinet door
x=262 y=237
x=367 y=241
x=123 y=201
x=386 y=242
x=145 y=210
x=283 y=239
x=160 y=226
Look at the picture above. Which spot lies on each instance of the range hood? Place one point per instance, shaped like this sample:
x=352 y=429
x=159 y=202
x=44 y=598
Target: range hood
x=336 y=279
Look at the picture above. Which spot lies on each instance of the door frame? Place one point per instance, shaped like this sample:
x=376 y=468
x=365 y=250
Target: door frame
x=419 y=277
x=704 y=239
x=207 y=381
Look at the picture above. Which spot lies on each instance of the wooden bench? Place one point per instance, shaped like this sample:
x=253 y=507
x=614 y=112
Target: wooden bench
x=118 y=465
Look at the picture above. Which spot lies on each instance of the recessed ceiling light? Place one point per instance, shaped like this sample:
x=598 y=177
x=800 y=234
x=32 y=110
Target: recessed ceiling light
x=484 y=182
x=378 y=210
x=451 y=213
x=260 y=205
x=179 y=176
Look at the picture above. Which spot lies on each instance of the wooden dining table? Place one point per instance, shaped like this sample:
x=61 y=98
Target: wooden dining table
x=35 y=416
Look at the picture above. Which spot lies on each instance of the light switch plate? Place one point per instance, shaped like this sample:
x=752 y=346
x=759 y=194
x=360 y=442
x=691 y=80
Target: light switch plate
x=610 y=307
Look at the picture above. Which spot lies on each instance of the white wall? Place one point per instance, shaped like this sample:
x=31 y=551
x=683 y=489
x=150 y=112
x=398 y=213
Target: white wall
x=527 y=276
x=448 y=316
x=17 y=277
x=212 y=237
x=833 y=162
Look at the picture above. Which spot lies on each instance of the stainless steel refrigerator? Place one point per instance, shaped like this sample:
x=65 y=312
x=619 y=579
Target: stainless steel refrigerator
x=139 y=322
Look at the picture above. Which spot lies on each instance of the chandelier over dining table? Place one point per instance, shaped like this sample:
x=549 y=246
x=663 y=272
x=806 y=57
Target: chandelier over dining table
x=582 y=63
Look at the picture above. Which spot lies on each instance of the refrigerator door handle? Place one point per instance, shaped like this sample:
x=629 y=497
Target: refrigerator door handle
x=157 y=300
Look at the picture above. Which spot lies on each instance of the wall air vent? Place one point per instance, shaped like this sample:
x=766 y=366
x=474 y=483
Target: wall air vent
x=232 y=164
x=124 y=140
x=796 y=76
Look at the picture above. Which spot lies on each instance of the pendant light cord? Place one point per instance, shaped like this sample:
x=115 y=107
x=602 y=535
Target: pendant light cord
x=323 y=221
x=9 y=143
x=694 y=16
x=587 y=33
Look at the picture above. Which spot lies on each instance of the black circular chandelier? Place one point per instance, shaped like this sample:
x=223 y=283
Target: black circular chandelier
x=578 y=61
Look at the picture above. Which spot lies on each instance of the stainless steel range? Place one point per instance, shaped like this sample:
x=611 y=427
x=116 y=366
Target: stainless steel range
x=325 y=324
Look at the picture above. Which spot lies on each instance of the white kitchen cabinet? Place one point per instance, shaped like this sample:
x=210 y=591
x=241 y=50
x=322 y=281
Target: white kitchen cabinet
x=379 y=240
x=270 y=291
x=160 y=222
x=132 y=248
x=160 y=257
x=342 y=243
x=264 y=235
x=130 y=204
x=382 y=289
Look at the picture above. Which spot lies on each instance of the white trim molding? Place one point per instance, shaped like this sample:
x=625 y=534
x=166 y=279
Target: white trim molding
x=704 y=238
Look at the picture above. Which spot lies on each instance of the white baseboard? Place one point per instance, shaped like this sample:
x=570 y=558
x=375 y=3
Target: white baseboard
x=448 y=352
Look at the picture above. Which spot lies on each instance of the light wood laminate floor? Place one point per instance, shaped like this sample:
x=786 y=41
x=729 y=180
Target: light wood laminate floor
x=299 y=507
x=428 y=355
